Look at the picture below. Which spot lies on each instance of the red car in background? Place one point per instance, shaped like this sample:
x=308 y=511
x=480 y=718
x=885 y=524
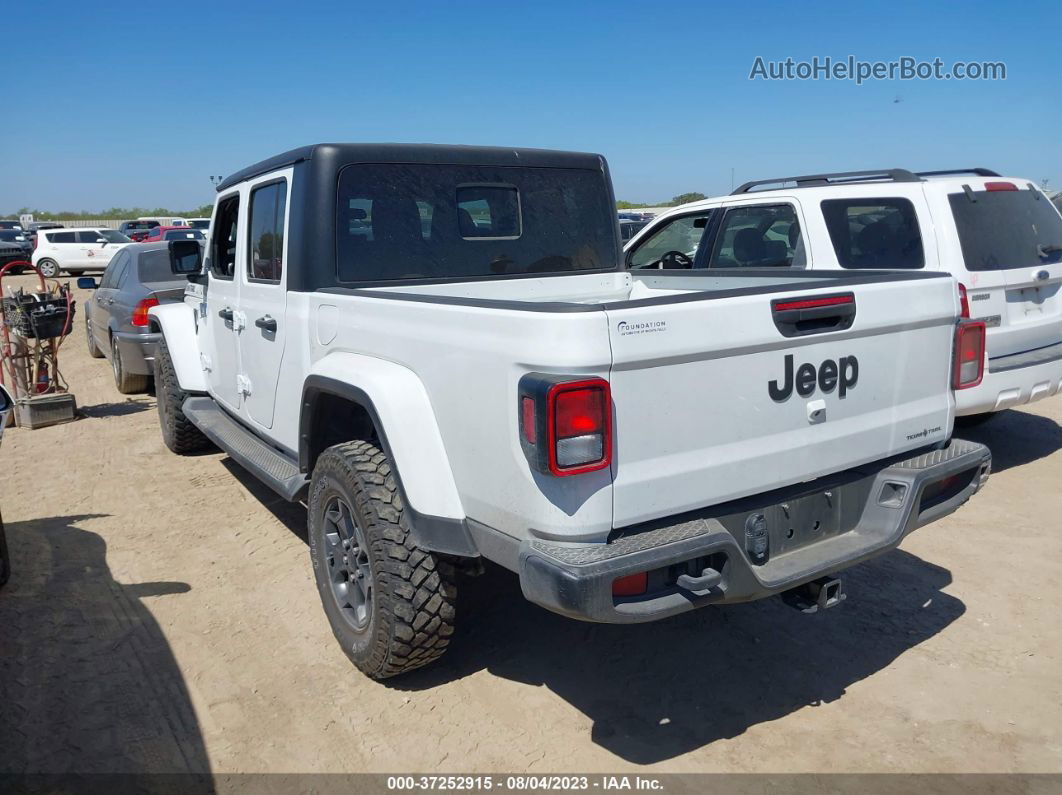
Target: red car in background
x=160 y=233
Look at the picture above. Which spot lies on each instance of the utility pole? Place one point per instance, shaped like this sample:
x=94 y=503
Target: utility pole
x=731 y=180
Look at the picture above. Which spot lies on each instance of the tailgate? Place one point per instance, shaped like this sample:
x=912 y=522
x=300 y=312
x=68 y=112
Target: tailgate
x=713 y=402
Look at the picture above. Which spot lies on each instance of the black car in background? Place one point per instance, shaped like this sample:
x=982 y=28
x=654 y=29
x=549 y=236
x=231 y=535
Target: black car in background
x=12 y=252
x=7 y=223
x=18 y=238
x=137 y=230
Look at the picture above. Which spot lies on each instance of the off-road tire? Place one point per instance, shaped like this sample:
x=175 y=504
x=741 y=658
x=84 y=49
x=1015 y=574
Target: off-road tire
x=178 y=433
x=48 y=268
x=411 y=613
x=93 y=351
x=125 y=382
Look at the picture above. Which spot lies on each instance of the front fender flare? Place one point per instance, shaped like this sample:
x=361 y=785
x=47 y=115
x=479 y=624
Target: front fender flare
x=177 y=322
x=398 y=404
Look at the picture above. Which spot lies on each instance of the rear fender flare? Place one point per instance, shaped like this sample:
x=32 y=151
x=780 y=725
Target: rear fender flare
x=177 y=322
x=398 y=405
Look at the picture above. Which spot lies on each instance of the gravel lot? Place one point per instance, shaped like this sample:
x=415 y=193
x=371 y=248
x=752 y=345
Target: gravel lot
x=162 y=616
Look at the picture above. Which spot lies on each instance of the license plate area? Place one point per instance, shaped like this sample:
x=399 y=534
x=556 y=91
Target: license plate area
x=796 y=521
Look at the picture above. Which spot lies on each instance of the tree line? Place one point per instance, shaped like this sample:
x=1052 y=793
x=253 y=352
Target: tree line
x=682 y=198
x=112 y=214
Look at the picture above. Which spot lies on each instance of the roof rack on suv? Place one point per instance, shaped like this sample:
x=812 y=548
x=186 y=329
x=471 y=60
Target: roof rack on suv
x=840 y=177
x=981 y=172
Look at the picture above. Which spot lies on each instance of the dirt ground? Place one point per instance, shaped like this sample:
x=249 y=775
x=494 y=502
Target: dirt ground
x=162 y=616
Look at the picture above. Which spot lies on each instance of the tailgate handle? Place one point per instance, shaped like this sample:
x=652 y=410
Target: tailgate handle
x=797 y=317
x=709 y=579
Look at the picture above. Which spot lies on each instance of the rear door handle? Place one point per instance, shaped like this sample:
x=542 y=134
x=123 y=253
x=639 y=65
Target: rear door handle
x=266 y=323
x=226 y=315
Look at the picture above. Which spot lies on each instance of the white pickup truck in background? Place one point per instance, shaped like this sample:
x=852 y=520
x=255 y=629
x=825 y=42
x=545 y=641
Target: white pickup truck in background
x=439 y=349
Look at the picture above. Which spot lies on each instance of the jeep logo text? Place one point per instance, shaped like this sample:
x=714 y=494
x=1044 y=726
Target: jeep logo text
x=840 y=375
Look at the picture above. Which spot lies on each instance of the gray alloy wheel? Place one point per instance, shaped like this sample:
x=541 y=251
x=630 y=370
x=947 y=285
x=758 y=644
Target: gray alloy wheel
x=347 y=557
x=49 y=268
x=93 y=350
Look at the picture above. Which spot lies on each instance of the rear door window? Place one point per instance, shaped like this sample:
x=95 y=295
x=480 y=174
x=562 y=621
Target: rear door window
x=1006 y=229
x=874 y=233
x=265 y=260
x=759 y=236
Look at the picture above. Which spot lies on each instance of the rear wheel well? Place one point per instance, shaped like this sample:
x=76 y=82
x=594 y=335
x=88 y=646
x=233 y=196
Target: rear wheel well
x=333 y=419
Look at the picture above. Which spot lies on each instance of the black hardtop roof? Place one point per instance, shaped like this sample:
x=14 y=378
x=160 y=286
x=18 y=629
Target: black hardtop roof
x=345 y=154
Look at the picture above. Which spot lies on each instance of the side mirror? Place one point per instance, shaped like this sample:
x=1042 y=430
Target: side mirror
x=186 y=257
x=87 y=283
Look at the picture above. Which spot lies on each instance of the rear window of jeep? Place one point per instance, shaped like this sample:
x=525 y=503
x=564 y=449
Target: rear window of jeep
x=874 y=233
x=426 y=221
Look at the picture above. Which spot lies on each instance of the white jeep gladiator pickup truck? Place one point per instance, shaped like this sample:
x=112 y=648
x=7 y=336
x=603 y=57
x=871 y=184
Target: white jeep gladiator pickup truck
x=438 y=349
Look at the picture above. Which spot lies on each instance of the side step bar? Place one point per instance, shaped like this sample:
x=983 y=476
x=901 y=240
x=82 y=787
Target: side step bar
x=277 y=470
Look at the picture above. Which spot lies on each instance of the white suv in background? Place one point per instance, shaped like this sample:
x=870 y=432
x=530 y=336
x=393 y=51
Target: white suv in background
x=1000 y=237
x=76 y=250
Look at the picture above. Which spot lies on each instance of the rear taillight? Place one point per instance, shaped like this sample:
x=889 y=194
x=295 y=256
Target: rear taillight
x=969 y=365
x=140 y=312
x=566 y=426
x=964 y=300
x=1000 y=186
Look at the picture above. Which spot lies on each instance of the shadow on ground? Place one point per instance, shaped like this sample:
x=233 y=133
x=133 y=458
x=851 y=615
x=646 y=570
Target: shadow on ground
x=656 y=691
x=1015 y=437
x=88 y=683
x=115 y=409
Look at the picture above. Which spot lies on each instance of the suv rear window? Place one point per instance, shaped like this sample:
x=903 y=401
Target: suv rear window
x=874 y=233
x=1004 y=229
x=449 y=221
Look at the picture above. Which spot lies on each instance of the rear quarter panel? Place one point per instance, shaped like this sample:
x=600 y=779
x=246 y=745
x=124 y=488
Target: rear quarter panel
x=470 y=360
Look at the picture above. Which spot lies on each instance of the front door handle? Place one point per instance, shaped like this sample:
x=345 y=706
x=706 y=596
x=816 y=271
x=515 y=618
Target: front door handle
x=226 y=315
x=266 y=323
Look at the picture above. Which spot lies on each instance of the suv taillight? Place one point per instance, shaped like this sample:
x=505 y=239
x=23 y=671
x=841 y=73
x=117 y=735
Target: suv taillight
x=964 y=300
x=969 y=364
x=140 y=311
x=566 y=426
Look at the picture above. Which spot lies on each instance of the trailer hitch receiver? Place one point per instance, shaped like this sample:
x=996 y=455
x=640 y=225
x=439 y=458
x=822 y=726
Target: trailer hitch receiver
x=821 y=593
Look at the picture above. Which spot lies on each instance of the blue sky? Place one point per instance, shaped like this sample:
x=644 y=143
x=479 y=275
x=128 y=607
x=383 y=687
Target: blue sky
x=120 y=111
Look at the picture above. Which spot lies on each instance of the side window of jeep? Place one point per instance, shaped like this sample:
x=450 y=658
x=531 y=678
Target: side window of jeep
x=223 y=244
x=265 y=256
